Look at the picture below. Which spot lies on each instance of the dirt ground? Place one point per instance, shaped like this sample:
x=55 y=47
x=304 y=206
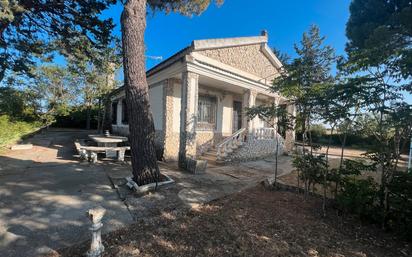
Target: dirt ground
x=255 y=222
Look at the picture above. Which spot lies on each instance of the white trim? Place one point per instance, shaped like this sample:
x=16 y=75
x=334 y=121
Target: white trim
x=227 y=42
x=172 y=71
x=230 y=78
x=271 y=56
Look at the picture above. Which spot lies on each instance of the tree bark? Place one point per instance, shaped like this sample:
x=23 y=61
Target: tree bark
x=107 y=114
x=141 y=126
x=88 y=116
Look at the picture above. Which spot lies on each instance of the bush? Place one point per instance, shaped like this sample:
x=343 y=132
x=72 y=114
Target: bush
x=76 y=118
x=318 y=131
x=362 y=197
x=399 y=216
x=11 y=131
x=359 y=196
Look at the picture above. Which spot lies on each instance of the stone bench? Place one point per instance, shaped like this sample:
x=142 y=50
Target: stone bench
x=90 y=152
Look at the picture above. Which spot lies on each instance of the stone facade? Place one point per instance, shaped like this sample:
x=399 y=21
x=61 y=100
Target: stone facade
x=248 y=58
x=235 y=71
x=254 y=150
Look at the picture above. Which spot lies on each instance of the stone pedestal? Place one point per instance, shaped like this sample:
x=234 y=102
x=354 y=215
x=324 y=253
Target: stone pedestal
x=96 y=247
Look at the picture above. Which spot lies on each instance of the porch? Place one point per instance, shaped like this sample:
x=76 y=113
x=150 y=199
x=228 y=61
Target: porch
x=198 y=113
x=198 y=96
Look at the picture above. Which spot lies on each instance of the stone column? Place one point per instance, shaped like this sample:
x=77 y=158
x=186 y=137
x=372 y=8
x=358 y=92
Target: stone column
x=188 y=117
x=276 y=119
x=171 y=138
x=290 y=133
x=249 y=100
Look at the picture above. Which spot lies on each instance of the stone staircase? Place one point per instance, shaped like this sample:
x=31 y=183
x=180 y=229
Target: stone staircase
x=211 y=157
x=238 y=147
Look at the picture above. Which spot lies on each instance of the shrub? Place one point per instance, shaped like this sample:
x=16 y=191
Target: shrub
x=76 y=118
x=11 y=131
x=318 y=131
x=359 y=196
x=399 y=216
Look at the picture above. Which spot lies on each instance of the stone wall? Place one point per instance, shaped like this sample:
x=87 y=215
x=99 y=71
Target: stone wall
x=248 y=58
x=254 y=150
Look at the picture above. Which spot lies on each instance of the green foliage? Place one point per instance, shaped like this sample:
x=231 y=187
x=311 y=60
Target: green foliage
x=12 y=130
x=76 y=117
x=399 y=217
x=380 y=32
x=318 y=131
x=363 y=196
x=311 y=168
x=185 y=7
x=18 y=104
x=32 y=30
x=359 y=196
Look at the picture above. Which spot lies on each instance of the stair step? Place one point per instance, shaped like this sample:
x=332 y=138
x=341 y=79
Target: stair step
x=211 y=154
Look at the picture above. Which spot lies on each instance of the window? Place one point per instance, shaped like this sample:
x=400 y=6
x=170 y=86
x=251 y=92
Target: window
x=114 y=113
x=125 y=118
x=206 y=110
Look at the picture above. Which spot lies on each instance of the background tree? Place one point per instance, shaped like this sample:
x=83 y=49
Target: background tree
x=141 y=126
x=56 y=88
x=379 y=53
x=381 y=32
x=304 y=80
x=31 y=30
x=96 y=77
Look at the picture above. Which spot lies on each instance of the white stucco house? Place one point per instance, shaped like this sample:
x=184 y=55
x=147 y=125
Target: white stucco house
x=198 y=96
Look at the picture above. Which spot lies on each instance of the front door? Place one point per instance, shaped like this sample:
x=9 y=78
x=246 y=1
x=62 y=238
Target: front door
x=237 y=116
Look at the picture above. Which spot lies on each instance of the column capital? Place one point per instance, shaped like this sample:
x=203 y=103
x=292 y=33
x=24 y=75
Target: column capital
x=190 y=75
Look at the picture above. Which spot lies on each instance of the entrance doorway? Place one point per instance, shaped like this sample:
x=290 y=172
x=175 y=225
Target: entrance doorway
x=237 y=116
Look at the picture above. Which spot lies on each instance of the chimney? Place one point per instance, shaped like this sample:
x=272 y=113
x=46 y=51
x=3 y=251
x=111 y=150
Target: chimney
x=264 y=33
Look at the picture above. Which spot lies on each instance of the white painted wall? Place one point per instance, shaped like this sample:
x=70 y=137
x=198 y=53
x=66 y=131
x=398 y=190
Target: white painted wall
x=177 y=92
x=156 y=105
x=227 y=111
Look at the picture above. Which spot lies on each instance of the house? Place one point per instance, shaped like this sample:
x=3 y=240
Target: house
x=198 y=96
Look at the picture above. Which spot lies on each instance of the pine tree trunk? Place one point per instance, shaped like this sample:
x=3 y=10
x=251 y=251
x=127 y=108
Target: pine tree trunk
x=99 y=116
x=88 y=116
x=107 y=114
x=141 y=127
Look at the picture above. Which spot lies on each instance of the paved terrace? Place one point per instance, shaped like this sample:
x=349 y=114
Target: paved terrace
x=45 y=193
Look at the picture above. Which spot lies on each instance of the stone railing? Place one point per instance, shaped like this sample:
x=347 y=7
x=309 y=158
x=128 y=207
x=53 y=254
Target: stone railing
x=231 y=143
x=267 y=133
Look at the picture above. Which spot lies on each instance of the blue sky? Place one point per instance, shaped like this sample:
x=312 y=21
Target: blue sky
x=285 y=22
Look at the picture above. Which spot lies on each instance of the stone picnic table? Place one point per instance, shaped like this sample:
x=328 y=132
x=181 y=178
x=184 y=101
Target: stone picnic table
x=107 y=141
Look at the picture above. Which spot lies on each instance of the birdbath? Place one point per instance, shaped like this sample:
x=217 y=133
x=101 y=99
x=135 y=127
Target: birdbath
x=96 y=247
